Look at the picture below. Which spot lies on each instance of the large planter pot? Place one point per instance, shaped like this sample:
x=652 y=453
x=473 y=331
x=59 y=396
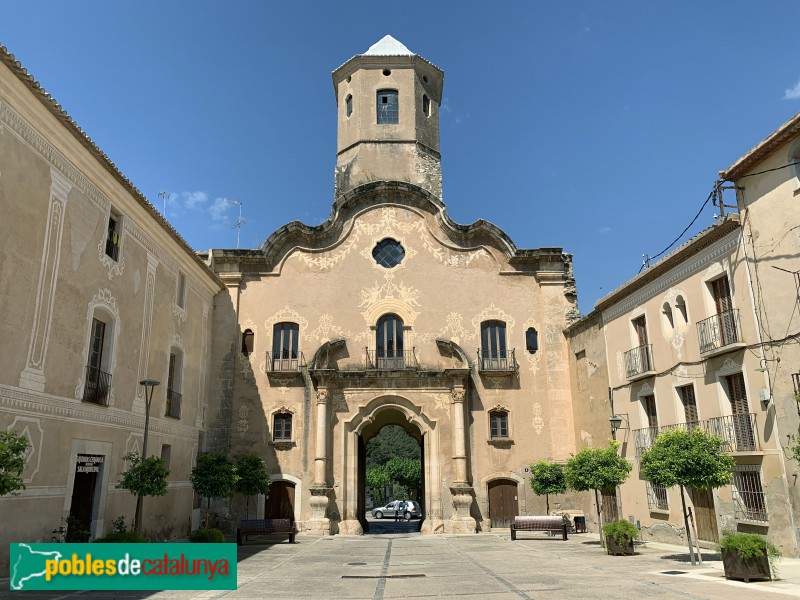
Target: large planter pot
x=752 y=568
x=615 y=549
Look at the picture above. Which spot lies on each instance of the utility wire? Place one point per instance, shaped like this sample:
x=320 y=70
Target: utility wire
x=677 y=239
x=768 y=170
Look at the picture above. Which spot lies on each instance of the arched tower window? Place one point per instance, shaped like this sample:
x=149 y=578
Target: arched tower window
x=389 y=343
x=388 y=107
x=348 y=105
x=426 y=105
x=174 y=384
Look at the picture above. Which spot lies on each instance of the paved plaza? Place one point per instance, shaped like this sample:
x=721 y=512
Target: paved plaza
x=486 y=566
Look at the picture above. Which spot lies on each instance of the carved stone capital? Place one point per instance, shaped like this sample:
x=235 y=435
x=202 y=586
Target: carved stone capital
x=457 y=394
x=322 y=396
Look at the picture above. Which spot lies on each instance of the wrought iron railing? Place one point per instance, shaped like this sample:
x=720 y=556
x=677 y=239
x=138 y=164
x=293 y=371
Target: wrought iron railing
x=173 y=404
x=639 y=360
x=497 y=360
x=282 y=362
x=738 y=432
x=719 y=331
x=644 y=438
x=391 y=360
x=97 y=386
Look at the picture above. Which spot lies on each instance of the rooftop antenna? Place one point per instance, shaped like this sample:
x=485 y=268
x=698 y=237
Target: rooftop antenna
x=239 y=222
x=164 y=196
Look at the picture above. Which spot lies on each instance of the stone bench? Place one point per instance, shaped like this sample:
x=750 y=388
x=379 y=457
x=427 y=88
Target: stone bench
x=264 y=527
x=541 y=523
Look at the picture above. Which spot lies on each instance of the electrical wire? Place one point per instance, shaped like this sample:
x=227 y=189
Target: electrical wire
x=766 y=171
x=677 y=239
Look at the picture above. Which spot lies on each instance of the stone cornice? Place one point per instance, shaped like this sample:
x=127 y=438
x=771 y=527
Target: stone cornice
x=17 y=401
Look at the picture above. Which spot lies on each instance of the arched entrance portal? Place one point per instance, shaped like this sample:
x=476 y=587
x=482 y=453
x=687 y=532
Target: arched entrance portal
x=279 y=503
x=370 y=419
x=390 y=441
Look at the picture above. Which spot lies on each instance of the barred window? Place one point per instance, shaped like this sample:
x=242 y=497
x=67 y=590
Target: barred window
x=657 y=497
x=750 y=503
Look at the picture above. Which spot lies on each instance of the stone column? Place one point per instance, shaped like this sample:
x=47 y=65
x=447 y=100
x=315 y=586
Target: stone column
x=319 y=522
x=463 y=494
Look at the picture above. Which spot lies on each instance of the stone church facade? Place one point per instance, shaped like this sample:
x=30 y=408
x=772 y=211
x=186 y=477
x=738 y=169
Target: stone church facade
x=391 y=313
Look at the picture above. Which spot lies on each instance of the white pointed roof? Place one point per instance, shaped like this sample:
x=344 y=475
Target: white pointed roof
x=388 y=46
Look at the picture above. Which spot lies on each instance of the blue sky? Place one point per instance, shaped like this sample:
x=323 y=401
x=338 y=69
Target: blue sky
x=595 y=126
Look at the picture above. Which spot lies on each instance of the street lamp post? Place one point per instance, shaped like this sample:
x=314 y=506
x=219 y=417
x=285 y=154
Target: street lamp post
x=149 y=386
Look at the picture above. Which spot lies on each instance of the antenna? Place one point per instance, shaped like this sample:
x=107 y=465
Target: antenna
x=239 y=222
x=164 y=196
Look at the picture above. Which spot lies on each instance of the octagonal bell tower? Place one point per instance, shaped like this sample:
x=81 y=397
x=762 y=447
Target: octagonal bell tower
x=388 y=119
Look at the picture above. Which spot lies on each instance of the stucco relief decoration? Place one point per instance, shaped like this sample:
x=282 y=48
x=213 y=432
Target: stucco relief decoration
x=243 y=425
x=31 y=429
x=102 y=299
x=729 y=367
x=325 y=330
x=442 y=402
x=247 y=366
x=281 y=382
x=114 y=267
x=713 y=270
x=389 y=291
x=454 y=326
x=646 y=389
x=681 y=372
x=338 y=402
x=538 y=419
x=452 y=258
x=492 y=313
x=179 y=313
x=286 y=314
x=591 y=368
x=533 y=359
x=674 y=334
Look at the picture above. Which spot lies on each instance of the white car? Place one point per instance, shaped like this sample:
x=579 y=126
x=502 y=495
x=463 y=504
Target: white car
x=412 y=510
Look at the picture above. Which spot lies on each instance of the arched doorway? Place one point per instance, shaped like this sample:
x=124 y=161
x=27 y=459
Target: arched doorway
x=364 y=425
x=280 y=503
x=503 y=502
x=393 y=468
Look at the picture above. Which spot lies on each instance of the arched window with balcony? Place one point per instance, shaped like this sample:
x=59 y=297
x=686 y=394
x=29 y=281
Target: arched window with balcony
x=285 y=347
x=494 y=353
x=389 y=350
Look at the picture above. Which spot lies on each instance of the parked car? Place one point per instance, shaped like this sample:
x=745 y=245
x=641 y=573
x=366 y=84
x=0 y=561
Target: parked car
x=412 y=510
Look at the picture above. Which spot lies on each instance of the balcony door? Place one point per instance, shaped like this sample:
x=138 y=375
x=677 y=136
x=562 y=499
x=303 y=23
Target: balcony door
x=389 y=343
x=726 y=321
x=649 y=405
x=493 y=345
x=285 y=342
x=740 y=418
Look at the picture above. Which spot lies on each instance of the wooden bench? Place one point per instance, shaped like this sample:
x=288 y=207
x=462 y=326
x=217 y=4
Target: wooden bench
x=544 y=523
x=264 y=527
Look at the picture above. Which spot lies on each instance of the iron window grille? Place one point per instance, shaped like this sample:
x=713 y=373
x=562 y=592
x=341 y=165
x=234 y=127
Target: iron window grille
x=657 y=498
x=750 y=502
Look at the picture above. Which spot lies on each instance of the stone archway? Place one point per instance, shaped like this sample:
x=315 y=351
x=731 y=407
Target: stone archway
x=381 y=411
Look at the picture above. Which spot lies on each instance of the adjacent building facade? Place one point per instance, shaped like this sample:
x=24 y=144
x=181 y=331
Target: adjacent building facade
x=97 y=292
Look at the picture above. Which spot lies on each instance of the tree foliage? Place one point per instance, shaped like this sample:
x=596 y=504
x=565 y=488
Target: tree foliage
x=214 y=476
x=13 y=448
x=547 y=478
x=253 y=476
x=378 y=477
x=391 y=442
x=597 y=469
x=692 y=459
x=406 y=472
x=144 y=477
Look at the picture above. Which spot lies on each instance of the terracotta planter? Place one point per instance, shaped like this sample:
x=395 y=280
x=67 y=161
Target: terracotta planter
x=738 y=568
x=615 y=549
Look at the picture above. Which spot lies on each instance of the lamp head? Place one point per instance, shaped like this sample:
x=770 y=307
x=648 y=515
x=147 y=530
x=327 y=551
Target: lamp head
x=616 y=422
x=149 y=382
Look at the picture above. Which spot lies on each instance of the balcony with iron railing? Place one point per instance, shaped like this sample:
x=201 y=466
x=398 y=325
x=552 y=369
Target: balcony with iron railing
x=97 y=386
x=390 y=360
x=285 y=362
x=173 y=404
x=739 y=432
x=639 y=362
x=719 y=333
x=497 y=362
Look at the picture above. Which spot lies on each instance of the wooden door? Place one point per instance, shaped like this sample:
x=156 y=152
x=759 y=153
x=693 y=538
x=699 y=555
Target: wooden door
x=705 y=515
x=649 y=403
x=741 y=425
x=279 y=503
x=503 y=506
x=722 y=294
x=689 y=403
x=640 y=326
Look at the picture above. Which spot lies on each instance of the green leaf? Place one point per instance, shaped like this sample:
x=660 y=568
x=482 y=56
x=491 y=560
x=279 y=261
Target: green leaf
x=547 y=478
x=597 y=469
x=146 y=477
x=214 y=476
x=13 y=448
x=253 y=476
x=694 y=459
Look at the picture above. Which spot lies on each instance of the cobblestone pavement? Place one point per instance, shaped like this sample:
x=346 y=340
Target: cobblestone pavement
x=485 y=566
